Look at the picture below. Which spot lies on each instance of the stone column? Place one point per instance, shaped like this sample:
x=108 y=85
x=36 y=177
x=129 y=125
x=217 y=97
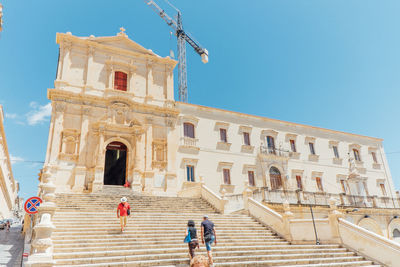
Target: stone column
x=80 y=170
x=58 y=128
x=99 y=169
x=246 y=194
x=89 y=64
x=287 y=216
x=333 y=218
x=42 y=255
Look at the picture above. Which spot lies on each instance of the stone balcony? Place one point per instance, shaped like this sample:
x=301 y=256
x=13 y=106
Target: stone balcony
x=188 y=145
x=270 y=153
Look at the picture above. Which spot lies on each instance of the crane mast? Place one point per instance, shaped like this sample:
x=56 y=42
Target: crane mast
x=182 y=38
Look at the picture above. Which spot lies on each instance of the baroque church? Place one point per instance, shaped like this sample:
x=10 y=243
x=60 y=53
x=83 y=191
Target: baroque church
x=115 y=123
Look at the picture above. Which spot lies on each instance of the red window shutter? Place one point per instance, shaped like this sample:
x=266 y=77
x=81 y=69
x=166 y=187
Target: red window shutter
x=120 y=81
x=299 y=184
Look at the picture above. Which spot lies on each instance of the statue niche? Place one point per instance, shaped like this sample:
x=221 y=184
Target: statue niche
x=69 y=145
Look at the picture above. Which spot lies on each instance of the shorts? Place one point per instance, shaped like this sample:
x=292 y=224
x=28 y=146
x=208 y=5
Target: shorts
x=192 y=246
x=208 y=244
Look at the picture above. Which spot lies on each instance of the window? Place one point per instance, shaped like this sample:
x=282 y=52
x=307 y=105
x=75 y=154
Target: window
x=246 y=137
x=356 y=155
x=343 y=184
x=227 y=176
x=271 y=144
x=160 y=153
x=319 y=183
x=251 y=178
x=373 y=154
x=120 y=81
x=335 y=152
x=275 y=178
x=222 y=135
x=293 y=145
x=188 y=130
x=190 y=173
x=312 y=150
x=299 y=184
x=383 y=189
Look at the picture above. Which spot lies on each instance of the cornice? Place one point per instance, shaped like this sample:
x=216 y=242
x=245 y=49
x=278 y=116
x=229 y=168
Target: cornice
x=83 y=99
x=62 y=37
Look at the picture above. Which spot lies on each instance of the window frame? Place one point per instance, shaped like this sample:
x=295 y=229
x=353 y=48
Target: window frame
x=120 y=82
x=251 y=178
x=356 y=154
x=374 y=158
x=293 y=145
x=223 y=135
x=246 y=138
x=312 y=148
x=190 y=177
x=318 y=181
x=186 y=128
x=336 y=152
x=299 y=182
x=226 y=173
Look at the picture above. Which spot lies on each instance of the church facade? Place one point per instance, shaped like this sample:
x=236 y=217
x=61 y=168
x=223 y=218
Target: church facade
x=115 y=122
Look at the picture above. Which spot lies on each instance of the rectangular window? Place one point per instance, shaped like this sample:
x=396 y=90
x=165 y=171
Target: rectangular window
x=319 y=184
x=293 y=145
x=246 y=137
x=227 y=176
x=299 y=184
x=188 y=130
x=356 y=155
x=159 y=154
x=383 y=189
x=120 y=81
x=190 y=173
x=271 y=144
x=335 y=152
x=222 y=134
x=311 y=145
x=343 y=184
x=251 y=178
x=373 y=154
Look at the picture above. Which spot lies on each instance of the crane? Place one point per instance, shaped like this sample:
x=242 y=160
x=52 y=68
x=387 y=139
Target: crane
x=182 y=37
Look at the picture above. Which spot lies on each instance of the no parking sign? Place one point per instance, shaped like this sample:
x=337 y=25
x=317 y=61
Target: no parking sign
x=32 y=204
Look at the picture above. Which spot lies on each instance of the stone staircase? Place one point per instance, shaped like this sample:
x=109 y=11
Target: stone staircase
x=88 y=234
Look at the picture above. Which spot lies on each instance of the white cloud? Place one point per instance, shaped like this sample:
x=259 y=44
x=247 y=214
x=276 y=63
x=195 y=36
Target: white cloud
x=15 y=159
x=11 y=115
x=38 y=113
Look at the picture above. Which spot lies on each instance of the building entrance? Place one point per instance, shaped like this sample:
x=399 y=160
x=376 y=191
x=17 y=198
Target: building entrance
x=115 y=164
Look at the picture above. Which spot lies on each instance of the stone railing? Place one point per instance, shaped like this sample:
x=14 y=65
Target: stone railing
x=266 y=150
x=212 y=198
x=322 y=198
x=370 y=244
x=188 y=142
x=334 y=229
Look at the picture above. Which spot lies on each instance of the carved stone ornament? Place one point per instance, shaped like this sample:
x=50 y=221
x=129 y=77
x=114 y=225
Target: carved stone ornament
x=60 y=106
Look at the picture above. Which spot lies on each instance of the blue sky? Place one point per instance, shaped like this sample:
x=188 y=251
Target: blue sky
x=333 y=64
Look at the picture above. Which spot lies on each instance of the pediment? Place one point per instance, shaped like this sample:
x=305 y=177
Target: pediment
x=123 y=42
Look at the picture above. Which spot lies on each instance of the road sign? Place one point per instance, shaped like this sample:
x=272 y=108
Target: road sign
x=25 y=255
x=32 y=204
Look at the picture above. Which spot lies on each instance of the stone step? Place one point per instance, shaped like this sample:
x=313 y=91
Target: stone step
x=183 y=249
x=150 y=242
x=182 y=259
x=267 y=263
x=221 y=253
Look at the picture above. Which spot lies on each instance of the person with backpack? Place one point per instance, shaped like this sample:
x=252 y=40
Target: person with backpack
x=123 y=211
x=191 y=238
x=208 y=236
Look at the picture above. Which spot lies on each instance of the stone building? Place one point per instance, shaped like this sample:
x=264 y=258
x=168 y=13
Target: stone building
x=115 y=122
x=9 y=187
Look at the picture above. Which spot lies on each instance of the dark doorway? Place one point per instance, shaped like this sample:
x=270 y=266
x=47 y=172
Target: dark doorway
x=115 y=164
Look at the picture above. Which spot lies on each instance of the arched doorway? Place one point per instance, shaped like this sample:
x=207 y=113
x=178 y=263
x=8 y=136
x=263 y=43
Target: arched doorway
x=115 y=164
x=275 y=178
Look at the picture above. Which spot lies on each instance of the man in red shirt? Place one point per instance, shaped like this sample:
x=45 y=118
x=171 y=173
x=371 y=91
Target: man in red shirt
x=122 y=212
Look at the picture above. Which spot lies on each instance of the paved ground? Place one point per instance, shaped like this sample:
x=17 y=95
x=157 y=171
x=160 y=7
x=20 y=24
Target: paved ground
x=11 y=247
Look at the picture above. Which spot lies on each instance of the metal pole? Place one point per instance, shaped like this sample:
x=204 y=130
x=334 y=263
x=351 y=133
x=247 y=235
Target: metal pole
x=315 y=229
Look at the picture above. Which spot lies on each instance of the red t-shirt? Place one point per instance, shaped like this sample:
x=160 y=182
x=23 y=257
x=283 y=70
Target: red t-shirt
x=123 y=209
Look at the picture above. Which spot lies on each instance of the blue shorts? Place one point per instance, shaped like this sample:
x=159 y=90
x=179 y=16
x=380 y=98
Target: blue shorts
x=208 y=244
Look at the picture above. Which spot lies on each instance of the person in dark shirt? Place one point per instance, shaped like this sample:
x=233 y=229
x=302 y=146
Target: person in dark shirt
x=208 y=236
x=194 y=243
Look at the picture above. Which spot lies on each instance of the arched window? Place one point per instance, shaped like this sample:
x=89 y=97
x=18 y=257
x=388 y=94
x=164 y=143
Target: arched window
x=275 y=178
x=120 y=81
x=356 y=154
x=188 y=130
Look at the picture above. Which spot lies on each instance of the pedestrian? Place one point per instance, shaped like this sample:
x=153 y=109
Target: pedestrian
x=208 y=236
x=199 y=261
x=8 y=226
x=193 y=243
x=123 y=211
